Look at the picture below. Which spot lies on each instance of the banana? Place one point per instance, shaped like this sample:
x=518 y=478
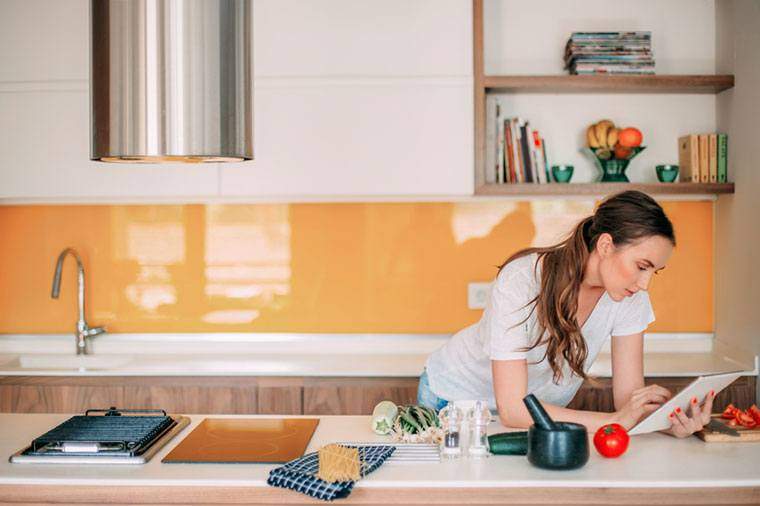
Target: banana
x=593 y=142
x=612 y=137
x=607 y=122
x=600 y=129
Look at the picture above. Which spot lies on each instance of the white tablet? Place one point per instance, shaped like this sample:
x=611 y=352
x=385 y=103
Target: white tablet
x=699 y=388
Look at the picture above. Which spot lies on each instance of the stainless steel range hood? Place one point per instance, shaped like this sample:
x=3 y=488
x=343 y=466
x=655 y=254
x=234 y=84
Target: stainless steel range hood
x=171 y=80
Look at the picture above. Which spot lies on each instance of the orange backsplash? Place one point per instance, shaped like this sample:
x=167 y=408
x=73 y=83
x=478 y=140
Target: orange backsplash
x=366 y=267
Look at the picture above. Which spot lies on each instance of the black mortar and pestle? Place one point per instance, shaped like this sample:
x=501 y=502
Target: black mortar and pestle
x=555 y=445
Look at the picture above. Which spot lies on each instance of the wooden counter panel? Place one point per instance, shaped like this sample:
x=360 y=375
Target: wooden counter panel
x=270 y=395
x=31 y=494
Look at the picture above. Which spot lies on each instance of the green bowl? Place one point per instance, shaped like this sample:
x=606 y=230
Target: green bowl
x=667 y=173
x=562 y=173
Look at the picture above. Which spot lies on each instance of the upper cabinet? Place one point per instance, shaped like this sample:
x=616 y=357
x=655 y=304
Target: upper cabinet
x=44 y=116
x=352 y=98
x=360 y=99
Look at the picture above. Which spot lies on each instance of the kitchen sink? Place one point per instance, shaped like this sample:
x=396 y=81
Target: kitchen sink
x=61 y=361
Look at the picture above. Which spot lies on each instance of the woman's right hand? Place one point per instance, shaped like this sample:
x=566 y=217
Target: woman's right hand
x=642 y=402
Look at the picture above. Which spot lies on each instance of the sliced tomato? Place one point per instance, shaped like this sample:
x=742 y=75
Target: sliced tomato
x=754 y=411
x=745 y=419
x=732 y=422
x=729 y=412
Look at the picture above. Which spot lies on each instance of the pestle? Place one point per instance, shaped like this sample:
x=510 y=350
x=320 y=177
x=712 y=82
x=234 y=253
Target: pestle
x=540 y=417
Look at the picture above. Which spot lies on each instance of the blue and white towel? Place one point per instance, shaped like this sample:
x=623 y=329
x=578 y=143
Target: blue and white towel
x=301 y=474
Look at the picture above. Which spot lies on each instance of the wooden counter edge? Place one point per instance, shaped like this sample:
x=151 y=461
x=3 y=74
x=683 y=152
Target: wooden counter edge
x=205 y=495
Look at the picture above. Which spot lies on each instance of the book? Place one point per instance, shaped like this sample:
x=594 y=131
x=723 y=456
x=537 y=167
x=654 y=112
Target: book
x=516 y=151
x=499 y=147
x=722 y=158
x=712 y=149
x=492 y=123
x=704 y=159
x=525 y=152
x=519 y=163
x=688 y=158
x=509 y=164
x=539 y=158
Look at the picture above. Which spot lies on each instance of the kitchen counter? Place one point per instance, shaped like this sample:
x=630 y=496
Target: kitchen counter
x=348 y=355
x=656 y=469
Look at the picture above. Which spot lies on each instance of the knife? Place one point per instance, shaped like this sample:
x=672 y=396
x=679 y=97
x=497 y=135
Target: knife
x=722 y=428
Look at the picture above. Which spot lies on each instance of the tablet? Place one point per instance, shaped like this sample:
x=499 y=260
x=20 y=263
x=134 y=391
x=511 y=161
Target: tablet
x=699 y=388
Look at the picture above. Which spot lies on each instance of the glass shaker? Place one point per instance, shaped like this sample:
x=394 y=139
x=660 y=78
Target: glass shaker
x=478 y=419
x=451 y=423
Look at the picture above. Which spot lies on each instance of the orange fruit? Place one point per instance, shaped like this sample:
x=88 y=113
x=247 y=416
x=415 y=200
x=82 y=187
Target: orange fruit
x=622 y=153
x=630 y=137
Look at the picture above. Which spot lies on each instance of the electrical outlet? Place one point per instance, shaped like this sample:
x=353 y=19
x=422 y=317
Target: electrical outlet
x=477 y=295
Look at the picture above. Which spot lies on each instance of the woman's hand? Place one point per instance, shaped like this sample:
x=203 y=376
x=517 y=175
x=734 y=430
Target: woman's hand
x=642 y=402
x=684 y=425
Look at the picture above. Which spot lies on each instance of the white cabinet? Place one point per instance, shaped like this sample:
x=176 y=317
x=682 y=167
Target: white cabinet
x=360 y=98
x=363 y=138
x=45 y=155
x=352 y=98
x=44 y=116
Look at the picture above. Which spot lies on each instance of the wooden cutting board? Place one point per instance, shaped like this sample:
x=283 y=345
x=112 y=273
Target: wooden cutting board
x=244 y=440
x=745 y=435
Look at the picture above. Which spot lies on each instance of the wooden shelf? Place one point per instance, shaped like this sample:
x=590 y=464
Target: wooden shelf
x=611 y=83
x=574 y=189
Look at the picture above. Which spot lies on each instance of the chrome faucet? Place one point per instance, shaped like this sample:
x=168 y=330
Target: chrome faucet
x=83 y=331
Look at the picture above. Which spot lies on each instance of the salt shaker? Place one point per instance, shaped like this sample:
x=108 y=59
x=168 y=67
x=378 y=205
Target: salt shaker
x=478 y=419
x=451 y=422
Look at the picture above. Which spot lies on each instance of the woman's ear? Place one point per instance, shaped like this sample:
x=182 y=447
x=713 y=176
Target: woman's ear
x=604 y=245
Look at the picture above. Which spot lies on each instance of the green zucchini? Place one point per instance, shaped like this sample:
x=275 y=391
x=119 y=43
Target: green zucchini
x=509 y=443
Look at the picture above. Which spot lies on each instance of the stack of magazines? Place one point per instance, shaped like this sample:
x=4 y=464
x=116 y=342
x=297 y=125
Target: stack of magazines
x=609 y=53
x=518 y=152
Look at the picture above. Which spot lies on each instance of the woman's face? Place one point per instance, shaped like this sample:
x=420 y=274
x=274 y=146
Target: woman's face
x=626 y=269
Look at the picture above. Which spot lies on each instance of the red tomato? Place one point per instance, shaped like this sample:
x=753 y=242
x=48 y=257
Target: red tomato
x=745 y=419
x=754 y=411
x=732 y=422
x=611 y=440
x=630 y=137
x=729 y=413
x=622 y=153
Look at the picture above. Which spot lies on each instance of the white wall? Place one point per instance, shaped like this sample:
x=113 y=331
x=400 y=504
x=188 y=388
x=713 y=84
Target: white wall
x=529 y=38
x=737 y=241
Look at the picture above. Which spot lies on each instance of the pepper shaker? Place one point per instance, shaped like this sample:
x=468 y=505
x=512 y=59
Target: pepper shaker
x=451 y=423
x=479 y=417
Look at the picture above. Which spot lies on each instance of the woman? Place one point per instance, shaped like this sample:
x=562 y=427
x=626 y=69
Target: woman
x=551 y=310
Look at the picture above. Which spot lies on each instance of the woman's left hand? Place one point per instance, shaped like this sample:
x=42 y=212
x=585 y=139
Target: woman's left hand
x=684 y=425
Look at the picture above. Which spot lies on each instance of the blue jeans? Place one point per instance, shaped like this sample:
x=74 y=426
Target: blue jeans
x=426 y=397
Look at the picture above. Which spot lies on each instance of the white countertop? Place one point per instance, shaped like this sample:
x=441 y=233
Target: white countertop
x=349 y=355
x=652 y=460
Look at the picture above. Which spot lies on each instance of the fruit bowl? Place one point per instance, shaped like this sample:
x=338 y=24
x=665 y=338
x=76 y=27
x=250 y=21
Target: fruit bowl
x=613 y=163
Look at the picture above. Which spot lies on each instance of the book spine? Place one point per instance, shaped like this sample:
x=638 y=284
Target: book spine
x=539 y=161
x=492 y=135
x=519 y=178
x=500 y=148
x=518 y=150
x=722 y=158
x=525 y=153
x=712 y=142
x=509 y=165
x=704 y=159
x=688 y=158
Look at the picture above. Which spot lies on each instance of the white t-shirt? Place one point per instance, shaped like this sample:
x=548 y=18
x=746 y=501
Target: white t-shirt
x=461 y=369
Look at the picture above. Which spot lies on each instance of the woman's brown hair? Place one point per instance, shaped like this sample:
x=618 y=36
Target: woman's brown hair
x=626 y=217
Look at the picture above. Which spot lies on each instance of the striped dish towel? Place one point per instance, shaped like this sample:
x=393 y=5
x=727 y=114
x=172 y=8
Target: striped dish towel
x=301 y=474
